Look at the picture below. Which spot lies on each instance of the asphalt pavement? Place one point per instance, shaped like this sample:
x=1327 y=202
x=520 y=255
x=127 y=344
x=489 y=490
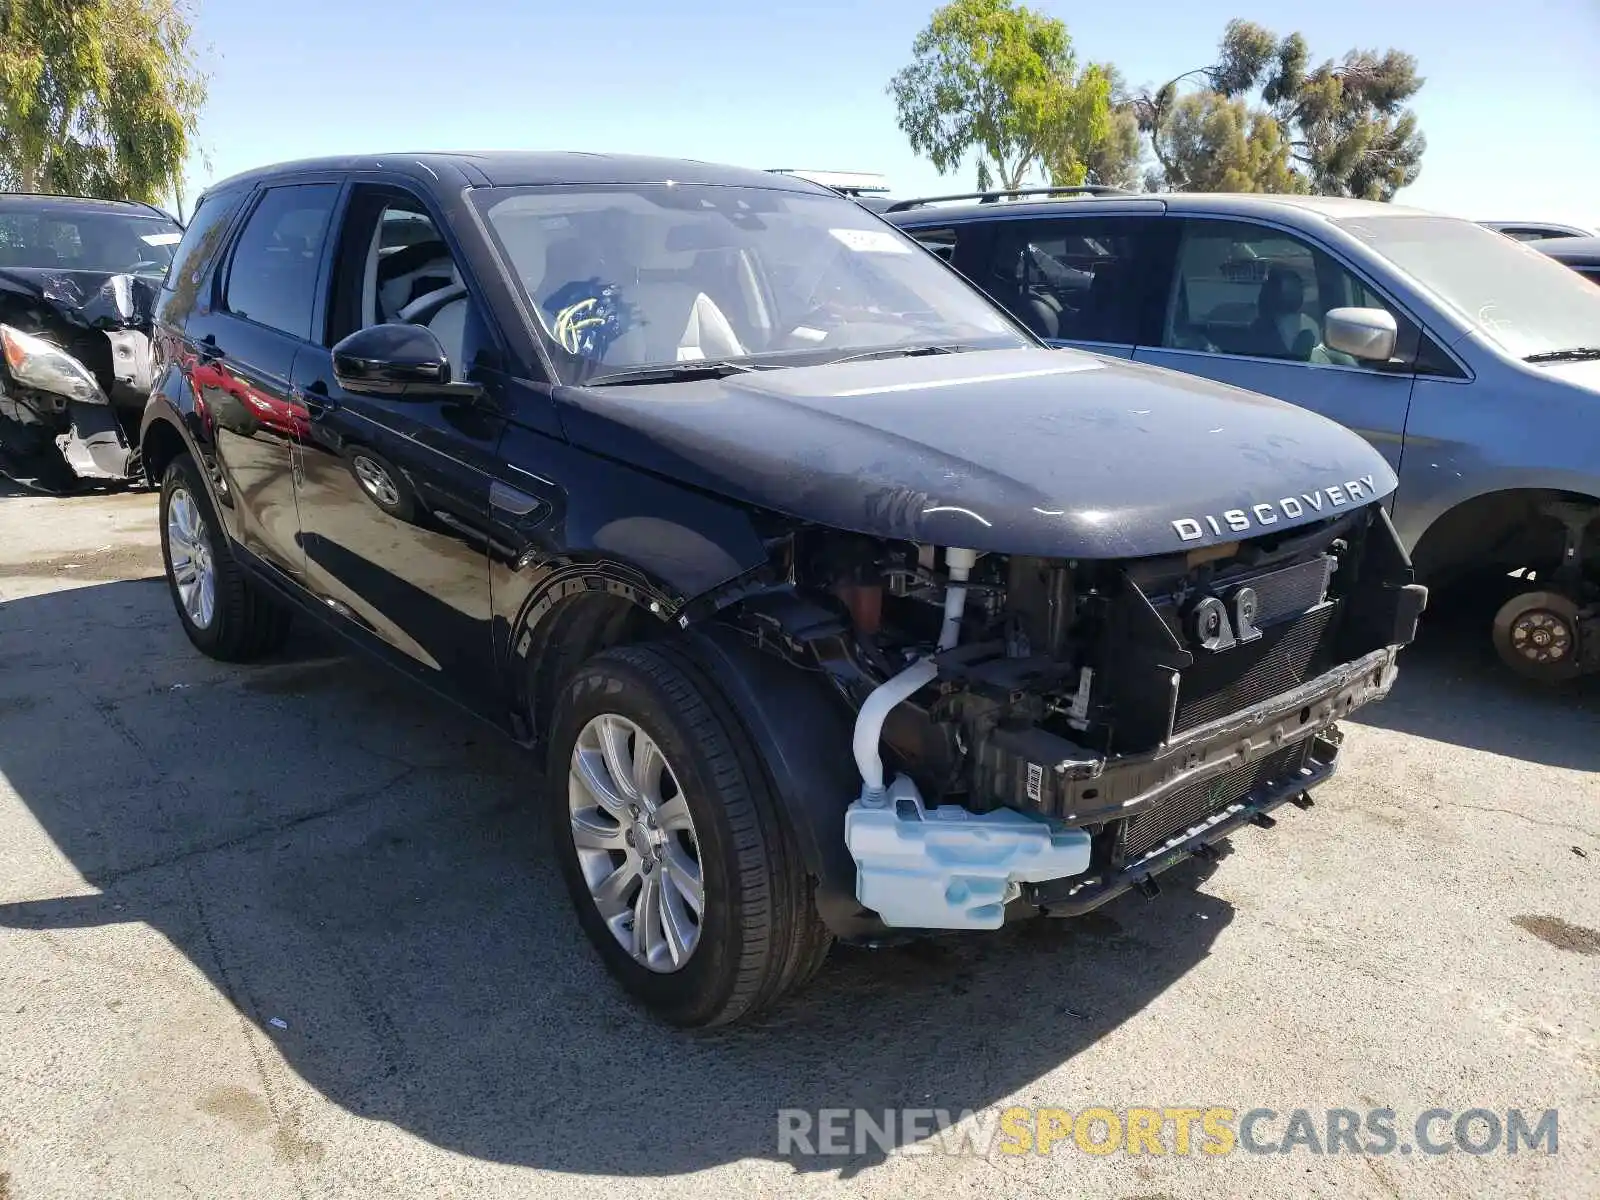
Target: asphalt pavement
x=294 y=930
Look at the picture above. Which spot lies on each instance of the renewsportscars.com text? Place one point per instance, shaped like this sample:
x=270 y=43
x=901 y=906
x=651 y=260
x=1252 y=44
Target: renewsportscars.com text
x=1169 y=1130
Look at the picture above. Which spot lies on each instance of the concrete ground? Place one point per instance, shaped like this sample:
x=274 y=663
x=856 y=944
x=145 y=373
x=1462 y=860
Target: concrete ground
x=294 y=930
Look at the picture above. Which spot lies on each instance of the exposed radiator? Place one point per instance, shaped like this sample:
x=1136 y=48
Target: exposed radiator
x=1188 y=806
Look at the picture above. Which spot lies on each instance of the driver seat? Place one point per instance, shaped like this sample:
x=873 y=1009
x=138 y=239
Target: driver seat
x=1282 y=328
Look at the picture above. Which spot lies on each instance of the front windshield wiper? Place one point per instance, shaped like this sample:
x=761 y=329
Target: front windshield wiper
x=1574 y=354
x=671 y=372
x=897 y=352
x=718 y=368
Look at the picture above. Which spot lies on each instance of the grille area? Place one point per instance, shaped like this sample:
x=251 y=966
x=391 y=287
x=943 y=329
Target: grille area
x=1283 y=657
x=1191 y=804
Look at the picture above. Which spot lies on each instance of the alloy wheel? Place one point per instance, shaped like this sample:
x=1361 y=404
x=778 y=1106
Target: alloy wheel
x=376 y=481
x=194 y=571
x=636 y=842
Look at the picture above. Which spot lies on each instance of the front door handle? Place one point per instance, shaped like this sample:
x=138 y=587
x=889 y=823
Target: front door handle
x=313 y=398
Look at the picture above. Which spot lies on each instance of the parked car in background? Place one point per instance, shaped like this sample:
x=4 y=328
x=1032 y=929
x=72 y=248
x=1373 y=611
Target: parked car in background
x=838 y=604
x=866 y=188
x=1470 y=360
x=1582 y=254
x=1534 y=231
x=78 y=280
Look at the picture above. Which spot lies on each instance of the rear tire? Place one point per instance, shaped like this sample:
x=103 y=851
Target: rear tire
x=757 y=935
x=241 y=621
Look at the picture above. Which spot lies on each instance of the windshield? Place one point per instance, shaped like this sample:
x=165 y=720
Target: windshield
x=68 y=239
x=1523 y=300
x=643 y=275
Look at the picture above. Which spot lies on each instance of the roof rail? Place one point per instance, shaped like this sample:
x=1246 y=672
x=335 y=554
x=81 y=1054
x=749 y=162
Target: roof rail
x=1082 y=189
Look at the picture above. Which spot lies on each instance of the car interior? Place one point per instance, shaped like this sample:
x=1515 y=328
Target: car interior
x=1230 y=297
x=410 y=277
x=1073 y=287
x=102 y=243
x=680 y=291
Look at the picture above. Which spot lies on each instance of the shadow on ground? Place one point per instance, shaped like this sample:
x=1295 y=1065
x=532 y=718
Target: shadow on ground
x=337 y=850
x=1453 y=688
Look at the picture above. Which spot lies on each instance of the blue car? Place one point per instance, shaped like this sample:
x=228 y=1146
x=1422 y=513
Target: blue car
x=1469 y=359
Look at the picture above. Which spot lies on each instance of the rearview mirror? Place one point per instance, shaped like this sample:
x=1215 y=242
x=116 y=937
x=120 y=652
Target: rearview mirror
x=393 y=360
x=1364 y=333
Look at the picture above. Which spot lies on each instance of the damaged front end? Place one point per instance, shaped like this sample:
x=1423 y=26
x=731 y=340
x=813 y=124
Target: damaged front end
x=1040 y=734
x=76 y=373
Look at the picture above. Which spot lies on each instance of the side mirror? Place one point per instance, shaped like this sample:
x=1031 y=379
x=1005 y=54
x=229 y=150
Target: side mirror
x=394 y=360
x=1364 y=333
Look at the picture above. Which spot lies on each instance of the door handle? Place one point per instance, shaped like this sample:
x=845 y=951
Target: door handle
x=207 y=349
x=313 y=397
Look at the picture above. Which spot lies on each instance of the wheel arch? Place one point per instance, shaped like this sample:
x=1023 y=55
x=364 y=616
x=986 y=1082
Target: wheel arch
x=577 y=614
x=160 y=443
x=1495 y=527
x=797 y=720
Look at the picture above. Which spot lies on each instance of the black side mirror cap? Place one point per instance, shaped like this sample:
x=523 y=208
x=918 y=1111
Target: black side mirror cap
x=396 y=360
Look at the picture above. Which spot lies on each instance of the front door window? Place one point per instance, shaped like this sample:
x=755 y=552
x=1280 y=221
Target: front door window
x=1254 y=291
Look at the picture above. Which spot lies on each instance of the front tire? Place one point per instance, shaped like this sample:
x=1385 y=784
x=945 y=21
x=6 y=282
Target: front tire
x=678 y=860
x=225 y=613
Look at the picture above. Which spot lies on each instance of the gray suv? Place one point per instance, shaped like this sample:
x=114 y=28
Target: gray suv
x=1471 y=361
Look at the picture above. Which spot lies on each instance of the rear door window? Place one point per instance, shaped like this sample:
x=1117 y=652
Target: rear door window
x=272 y=278
x=1081 y=279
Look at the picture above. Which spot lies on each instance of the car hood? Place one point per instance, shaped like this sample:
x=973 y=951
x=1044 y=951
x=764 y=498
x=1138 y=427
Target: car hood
x=1584 y=374
x=88 y=299
x=1049 y=452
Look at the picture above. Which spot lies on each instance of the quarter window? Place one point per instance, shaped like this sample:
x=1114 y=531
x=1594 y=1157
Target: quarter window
x=1075 y=279
x=1251 y=290
x=272 y=279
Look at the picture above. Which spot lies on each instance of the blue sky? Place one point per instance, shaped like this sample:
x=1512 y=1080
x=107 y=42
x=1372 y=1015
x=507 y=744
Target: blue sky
x=1511 y=108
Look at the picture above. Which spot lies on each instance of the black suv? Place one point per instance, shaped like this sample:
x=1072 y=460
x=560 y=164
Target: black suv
x=838 y=605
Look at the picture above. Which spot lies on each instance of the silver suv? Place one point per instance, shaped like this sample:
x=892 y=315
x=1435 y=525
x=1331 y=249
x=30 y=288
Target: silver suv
x=1469 y=359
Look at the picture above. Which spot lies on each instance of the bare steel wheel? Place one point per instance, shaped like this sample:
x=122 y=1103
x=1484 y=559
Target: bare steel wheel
x=635 y=842
x=681 y=864
x=1536 y=635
